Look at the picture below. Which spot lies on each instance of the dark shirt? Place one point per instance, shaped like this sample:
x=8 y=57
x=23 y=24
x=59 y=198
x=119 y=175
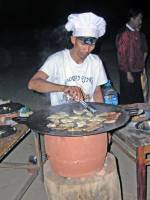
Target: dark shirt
x=131 y=46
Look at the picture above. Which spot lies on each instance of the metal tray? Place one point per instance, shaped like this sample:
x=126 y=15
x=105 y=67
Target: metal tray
x=38 y=120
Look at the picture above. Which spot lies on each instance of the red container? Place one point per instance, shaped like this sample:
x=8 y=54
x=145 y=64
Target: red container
x=76 y=157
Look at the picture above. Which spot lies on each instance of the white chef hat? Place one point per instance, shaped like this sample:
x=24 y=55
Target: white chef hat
x=86 y=25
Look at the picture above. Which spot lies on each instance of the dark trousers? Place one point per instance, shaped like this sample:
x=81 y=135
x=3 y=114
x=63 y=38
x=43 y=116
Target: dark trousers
x=131 y=92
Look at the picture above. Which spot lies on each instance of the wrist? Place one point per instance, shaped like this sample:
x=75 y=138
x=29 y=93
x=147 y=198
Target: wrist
x=62 y=88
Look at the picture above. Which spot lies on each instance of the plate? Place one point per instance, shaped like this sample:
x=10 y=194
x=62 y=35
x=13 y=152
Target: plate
x=10 y=108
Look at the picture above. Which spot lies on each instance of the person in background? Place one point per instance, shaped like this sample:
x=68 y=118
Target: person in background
x=74 y=74
x=132 y=52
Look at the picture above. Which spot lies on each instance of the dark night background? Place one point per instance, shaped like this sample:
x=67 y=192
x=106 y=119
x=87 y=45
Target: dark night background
x=29 y=23
x=29 y=14
x=29 y=30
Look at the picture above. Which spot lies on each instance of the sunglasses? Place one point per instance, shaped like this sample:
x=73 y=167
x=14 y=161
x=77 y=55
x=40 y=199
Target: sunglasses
x=87 y=40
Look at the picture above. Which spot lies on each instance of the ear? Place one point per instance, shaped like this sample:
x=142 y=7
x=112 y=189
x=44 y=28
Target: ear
x=73 y=39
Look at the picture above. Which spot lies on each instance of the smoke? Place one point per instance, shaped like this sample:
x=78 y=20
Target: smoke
x=5 y=58
x=51 y=40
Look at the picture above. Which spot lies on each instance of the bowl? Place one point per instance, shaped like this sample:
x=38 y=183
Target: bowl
x=144 y=126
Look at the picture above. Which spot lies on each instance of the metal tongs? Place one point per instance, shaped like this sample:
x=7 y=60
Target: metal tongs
x=88 y=107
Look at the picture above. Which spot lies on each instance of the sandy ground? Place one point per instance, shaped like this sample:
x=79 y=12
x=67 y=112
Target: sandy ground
x=13 y=85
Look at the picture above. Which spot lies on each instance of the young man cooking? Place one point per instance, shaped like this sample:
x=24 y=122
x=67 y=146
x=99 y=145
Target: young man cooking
x=74 y=74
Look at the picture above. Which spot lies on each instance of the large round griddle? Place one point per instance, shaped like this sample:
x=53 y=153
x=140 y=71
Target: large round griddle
x=38 y=120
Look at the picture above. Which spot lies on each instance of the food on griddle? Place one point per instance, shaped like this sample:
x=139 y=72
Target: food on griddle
x=81 y=120
x=78 y=111
x=112 y=117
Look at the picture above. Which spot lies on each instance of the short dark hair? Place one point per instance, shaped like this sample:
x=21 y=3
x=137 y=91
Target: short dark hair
x=134 y=12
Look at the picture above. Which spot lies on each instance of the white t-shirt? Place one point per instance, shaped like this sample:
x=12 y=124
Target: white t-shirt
x=62 y=69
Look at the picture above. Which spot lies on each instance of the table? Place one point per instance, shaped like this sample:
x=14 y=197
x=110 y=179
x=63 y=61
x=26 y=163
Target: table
x=7 y=144
x=136 y=145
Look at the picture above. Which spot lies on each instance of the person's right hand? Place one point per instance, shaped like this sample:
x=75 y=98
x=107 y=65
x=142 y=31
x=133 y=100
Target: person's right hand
x=130 y=78
x=75 y=92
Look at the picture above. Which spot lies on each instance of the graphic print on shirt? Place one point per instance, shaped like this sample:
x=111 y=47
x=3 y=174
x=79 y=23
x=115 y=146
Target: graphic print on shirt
x=84 y=82
x=62 y=69
x=78 y=78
